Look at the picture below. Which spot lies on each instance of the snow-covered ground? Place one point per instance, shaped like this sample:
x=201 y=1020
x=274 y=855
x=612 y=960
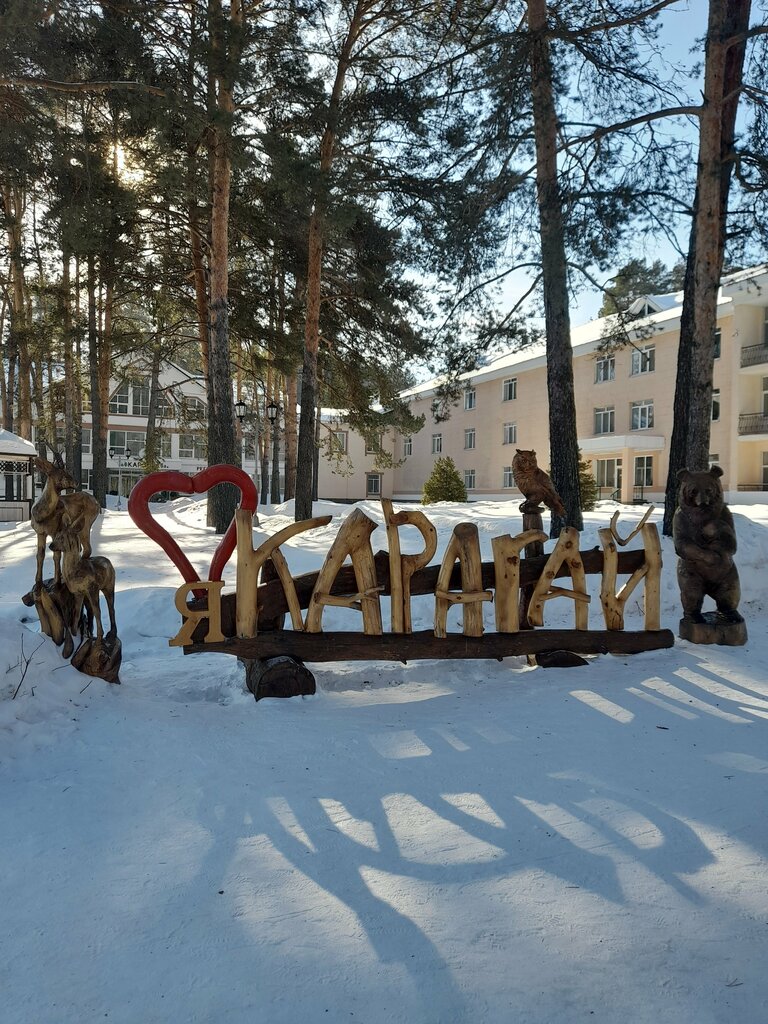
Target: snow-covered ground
x=443 y=841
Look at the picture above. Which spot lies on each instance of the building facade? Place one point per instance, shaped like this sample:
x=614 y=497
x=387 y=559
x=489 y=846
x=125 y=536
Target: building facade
x=624 y=405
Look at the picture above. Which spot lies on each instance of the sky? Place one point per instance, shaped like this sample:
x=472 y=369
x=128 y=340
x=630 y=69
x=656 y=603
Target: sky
x=682 y=25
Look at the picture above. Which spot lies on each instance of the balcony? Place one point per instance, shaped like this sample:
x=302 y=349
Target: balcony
x=754 y=355
x=753 y=423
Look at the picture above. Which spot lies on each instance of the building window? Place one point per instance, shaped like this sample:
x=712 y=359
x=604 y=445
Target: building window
x=718 y=343
x=469 y=479
x=165 y=445
x=714 y=460
x=469 y=438
x=338 y=440
x=191 y=446
x=437 y=444
x=373 y=484
x=608 y=473
x=85 y=440
x=373 y=447
x=85 y=479
x=510 y=433
x=509 y=480
x=765 y=396
x=128 y=443
x=604 y=420
x=716 y=403
x=644 y=471
x=139 y=400
x=192 y=409
x=166 y=410
x=118 y=403
x=407 y=447
x=643 y=360
x=509 y=389
x=470 y=398
x=605 y=369
x=765 y=471
x=642 y=415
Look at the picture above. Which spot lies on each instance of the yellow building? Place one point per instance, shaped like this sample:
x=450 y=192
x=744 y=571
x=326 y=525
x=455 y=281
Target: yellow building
x=623 y=405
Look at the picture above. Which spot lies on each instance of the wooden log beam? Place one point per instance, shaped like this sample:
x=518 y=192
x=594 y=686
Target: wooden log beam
x=272 y=600
x=424 y=645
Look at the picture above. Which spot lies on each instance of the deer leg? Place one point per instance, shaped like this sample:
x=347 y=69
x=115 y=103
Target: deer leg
x=109 y=596
x=95 y=606
x=57 y=567
x=85 y=541
x=41 y=538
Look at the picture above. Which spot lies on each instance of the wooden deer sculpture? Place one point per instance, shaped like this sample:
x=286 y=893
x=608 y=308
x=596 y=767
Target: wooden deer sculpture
x=49 y=508
x=85 y=578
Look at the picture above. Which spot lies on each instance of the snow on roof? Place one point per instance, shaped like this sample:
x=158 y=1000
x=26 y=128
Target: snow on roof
x=12 y=444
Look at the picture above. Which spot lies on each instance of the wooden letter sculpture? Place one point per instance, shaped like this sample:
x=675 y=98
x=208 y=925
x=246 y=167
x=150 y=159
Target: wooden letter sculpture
x=535 y=484
x=52 y=504
x=705 y=541
x=650 y=570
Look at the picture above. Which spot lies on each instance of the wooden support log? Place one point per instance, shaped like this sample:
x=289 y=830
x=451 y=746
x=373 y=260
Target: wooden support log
x=402 y=571
x=342 y=646
x=280 y=676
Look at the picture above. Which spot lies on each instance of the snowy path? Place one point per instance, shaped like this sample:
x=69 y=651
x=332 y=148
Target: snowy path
x=473 y=842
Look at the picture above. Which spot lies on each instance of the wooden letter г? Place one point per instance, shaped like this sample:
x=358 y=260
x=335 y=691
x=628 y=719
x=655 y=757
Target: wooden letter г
x=192 y=616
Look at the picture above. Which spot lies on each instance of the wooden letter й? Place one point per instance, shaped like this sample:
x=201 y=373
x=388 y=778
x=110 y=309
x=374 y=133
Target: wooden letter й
x=192 y=616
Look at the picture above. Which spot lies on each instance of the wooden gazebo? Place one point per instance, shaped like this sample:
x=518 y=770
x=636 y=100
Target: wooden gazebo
x=17 y=482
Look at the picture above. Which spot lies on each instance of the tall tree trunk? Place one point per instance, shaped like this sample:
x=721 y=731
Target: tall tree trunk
x=72 y=425
x=98 y=437
x=222 y=437
x=723 y=72
x=153 y=445
x=290 y=436
x=315 y=243
x=13 y=202
x=563 y=439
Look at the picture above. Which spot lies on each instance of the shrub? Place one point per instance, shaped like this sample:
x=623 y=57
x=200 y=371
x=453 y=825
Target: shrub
x=587 y=486
x=444 y=484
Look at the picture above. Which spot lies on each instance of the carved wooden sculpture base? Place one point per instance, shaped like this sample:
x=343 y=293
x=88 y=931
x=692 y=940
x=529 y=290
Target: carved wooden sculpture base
x=101 y=658
x=714 y=630
x=282 y=676
x=57 y=611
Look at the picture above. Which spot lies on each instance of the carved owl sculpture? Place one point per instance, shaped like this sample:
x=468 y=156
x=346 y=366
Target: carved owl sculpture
x=534 y=482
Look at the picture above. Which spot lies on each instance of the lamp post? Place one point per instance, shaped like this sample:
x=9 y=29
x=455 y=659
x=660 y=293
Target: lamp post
x=273 y=412
x=242 y=413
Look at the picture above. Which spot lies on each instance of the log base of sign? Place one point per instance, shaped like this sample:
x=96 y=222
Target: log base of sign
x=559 y=659
x=100 y=658
x=424 y=645
x=281 y=676
x=715 y=629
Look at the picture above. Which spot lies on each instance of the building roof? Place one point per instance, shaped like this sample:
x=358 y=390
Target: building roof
x=12 y=444
x=587 y=337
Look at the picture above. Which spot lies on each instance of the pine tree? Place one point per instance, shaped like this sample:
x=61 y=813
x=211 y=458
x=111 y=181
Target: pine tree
x=588 y=489
x=444 y=483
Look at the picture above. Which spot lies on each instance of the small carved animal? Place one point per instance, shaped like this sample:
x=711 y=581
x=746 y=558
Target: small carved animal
x=705 y=541
x=85 y=578
x=534 y=482
x=47 y=512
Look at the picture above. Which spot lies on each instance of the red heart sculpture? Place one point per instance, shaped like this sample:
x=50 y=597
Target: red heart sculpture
x=173 y=480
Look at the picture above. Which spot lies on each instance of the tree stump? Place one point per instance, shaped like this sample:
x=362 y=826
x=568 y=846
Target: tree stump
x=714 y=629
x=282 y=676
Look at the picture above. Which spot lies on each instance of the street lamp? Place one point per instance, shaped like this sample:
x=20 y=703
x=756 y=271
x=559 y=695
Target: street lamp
x=240 y=410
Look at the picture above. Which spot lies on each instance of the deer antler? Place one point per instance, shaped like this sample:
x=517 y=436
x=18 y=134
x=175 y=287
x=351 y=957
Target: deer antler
x=58 y=460
x=615 y=533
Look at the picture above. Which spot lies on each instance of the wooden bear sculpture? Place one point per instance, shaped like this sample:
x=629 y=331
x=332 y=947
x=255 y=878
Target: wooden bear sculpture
x=535 y=484
x=705 y=541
